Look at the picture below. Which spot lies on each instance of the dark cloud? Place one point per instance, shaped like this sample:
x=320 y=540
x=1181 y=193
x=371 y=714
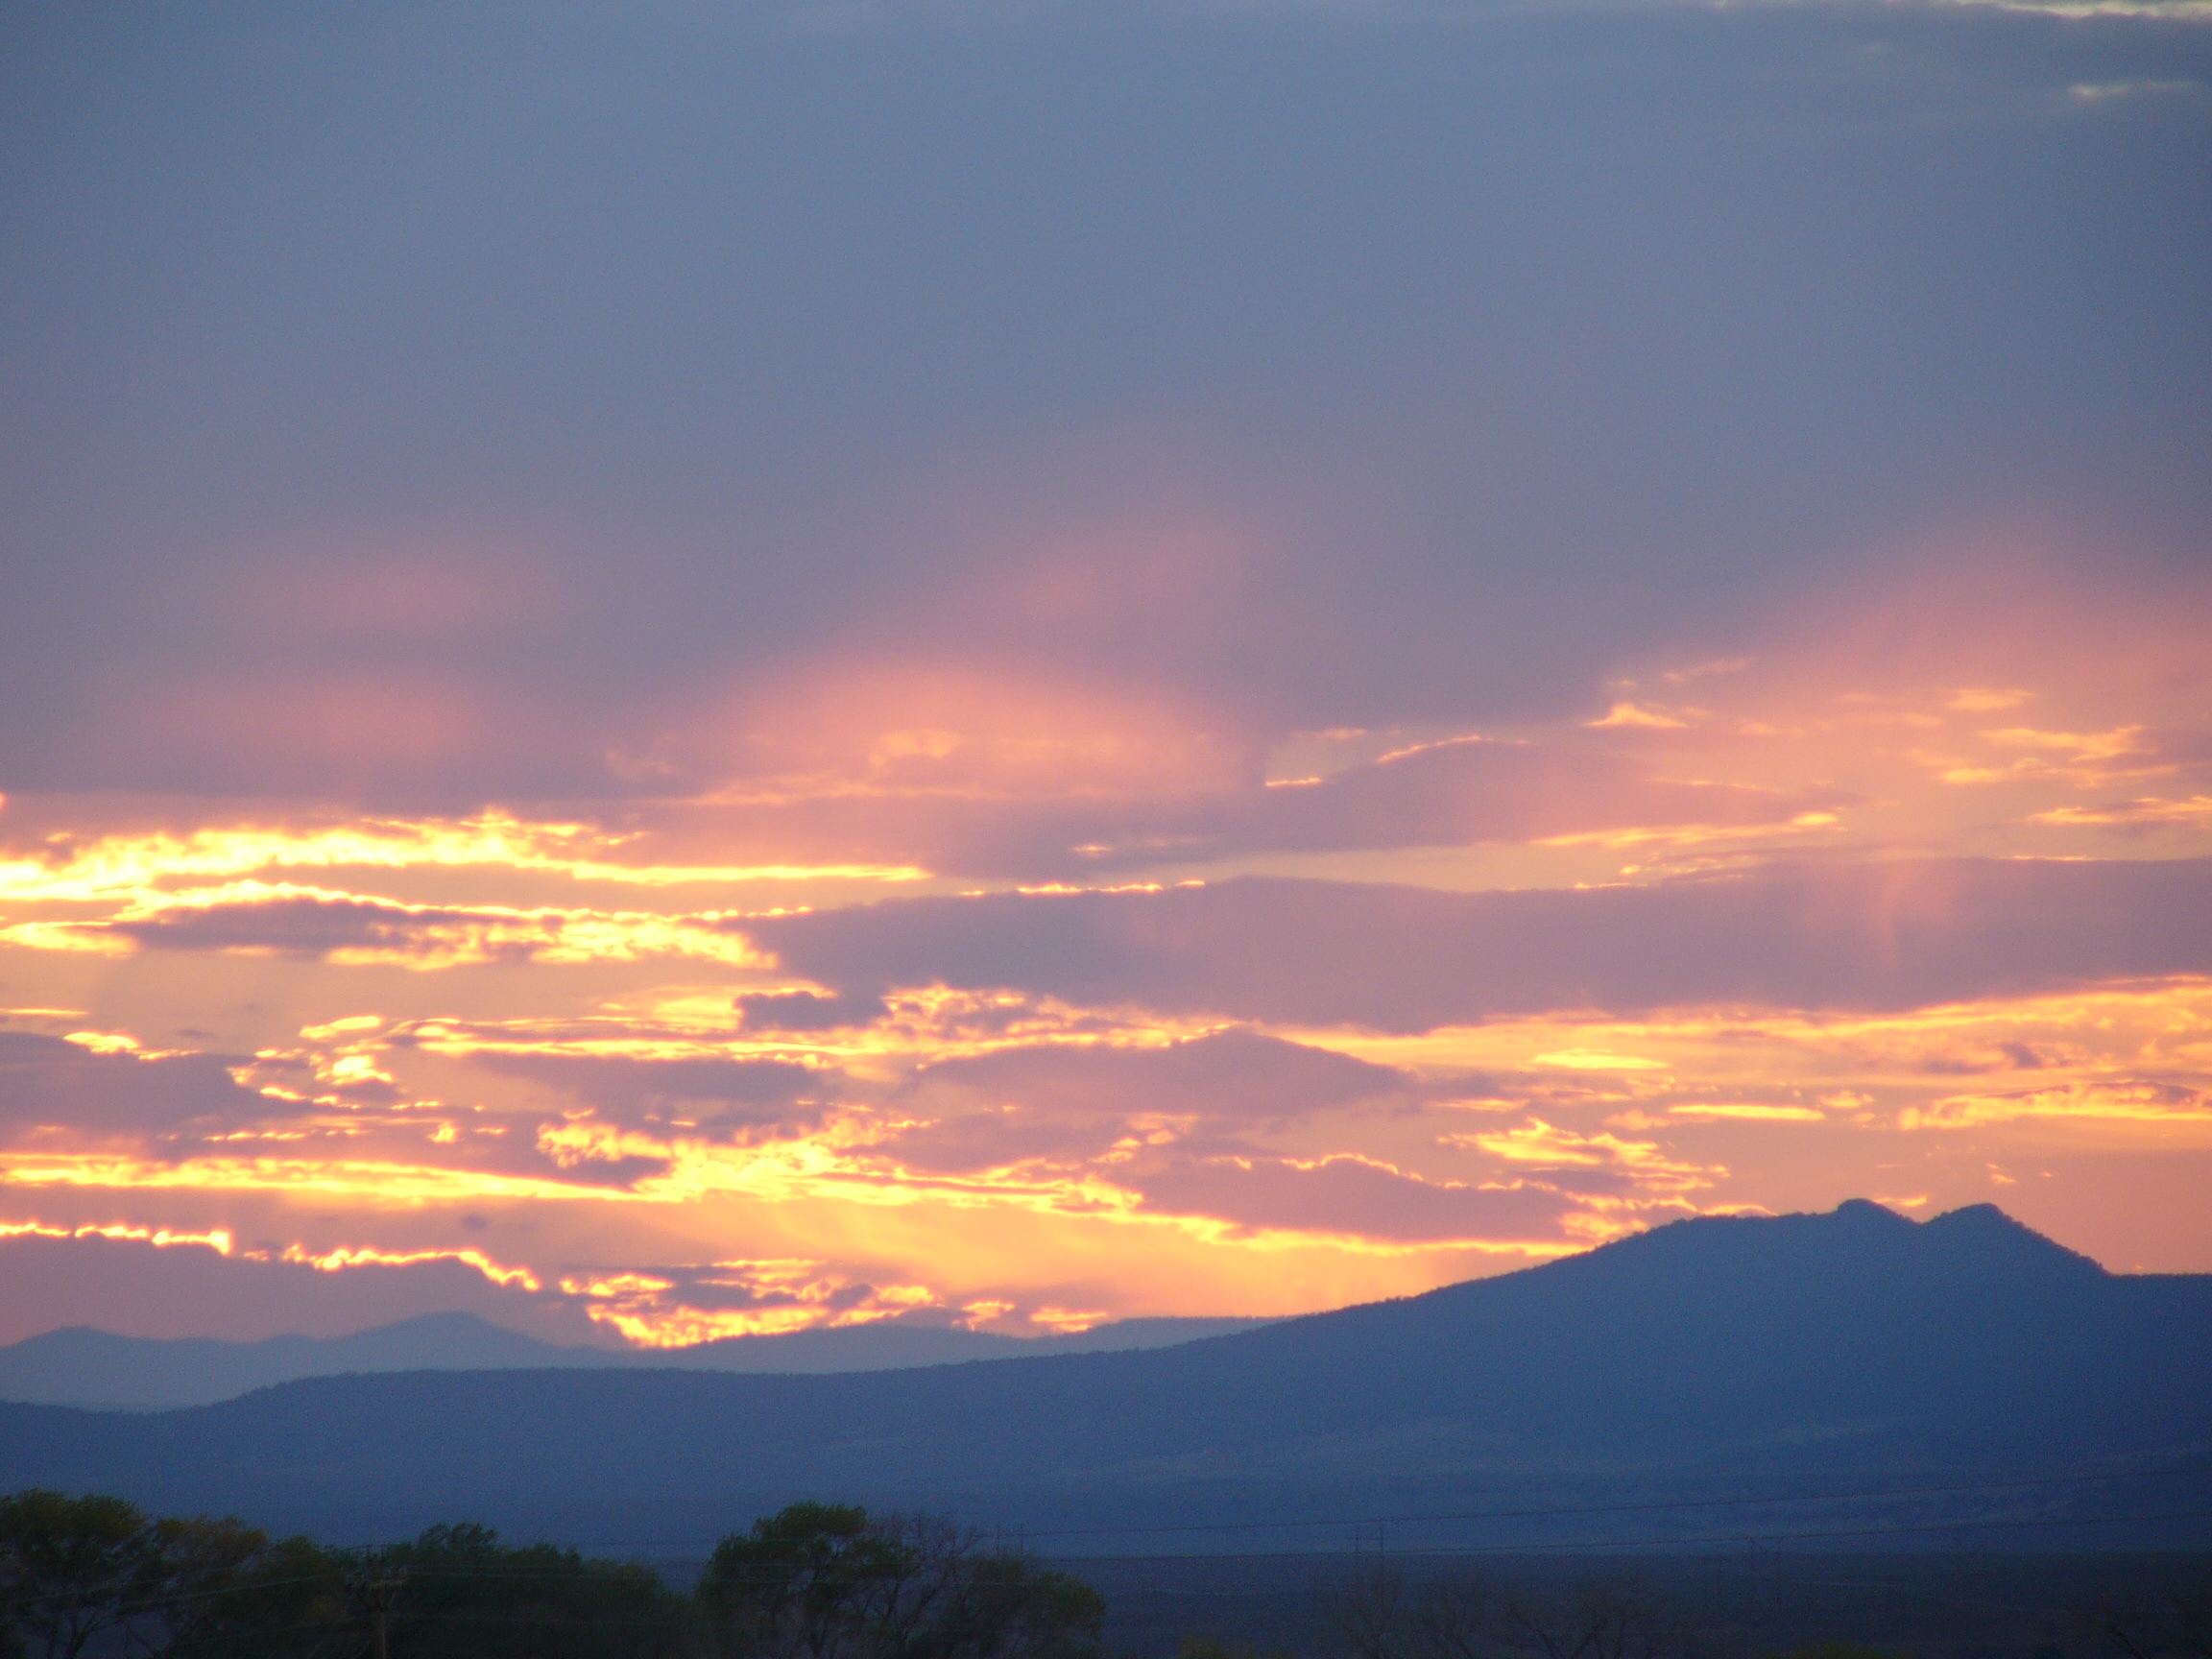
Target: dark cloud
x=47 y=1083
x=1472 y=790
x=737 y=1285
x=387 y=428
x=1447 y=793
x=804 y=1011
x=1062 y=1104
x=717 y=1094
x=968 y=1141
x=1875 y=936
x=1353 y=1196
x=315 y=925
x=1236 y=1076
x=322 y=924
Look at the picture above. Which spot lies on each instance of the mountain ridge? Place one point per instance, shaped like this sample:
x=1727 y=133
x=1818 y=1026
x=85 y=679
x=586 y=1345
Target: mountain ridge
x=81 y=1365
x=1715 y=1355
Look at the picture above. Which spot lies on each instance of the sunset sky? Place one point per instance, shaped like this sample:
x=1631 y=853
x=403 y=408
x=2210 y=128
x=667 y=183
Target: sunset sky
x=679 y=669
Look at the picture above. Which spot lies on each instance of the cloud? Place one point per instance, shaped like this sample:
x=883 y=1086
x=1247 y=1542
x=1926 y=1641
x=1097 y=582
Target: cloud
x=701 y=1092
x=283 y=920
x=1471 y=789
x=1878 y=936
x=663 y=1308
x=71 y=849
x=2103 y=1102
x=962 y=798
x=1230 y=1076
x=1861 y=731
x=1407 y=381
x=1123 y=490
x=1355 y=1196
x=1088 y=1106
x=804 y=1010
x=2144 y=813
x=52 y=1084
x=1600 y=1164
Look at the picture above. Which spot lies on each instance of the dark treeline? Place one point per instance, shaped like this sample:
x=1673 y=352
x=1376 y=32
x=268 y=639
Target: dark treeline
x=1379 y=1613
x=1386 y=1610
x=1925 y=1604
x=93 y=1576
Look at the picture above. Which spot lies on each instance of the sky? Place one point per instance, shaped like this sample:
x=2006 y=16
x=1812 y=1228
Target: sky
x=674 y=670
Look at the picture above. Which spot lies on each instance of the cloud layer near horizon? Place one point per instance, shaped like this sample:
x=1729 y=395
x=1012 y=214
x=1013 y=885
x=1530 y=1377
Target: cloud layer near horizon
x=1819 y=937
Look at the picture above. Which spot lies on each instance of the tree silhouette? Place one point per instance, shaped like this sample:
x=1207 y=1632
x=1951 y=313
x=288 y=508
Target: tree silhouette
x=825 y=1581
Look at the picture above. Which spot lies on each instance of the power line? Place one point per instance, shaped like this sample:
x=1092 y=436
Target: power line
x=590 y=1570
x=1671 y=1540
x=645 y=1616
x=1620 y=1508
x=1552 y=1512
x=1653 y=1542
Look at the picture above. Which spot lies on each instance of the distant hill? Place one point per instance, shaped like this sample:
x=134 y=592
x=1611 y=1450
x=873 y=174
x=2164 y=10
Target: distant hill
x=80 y=1366
x=1784 y=1359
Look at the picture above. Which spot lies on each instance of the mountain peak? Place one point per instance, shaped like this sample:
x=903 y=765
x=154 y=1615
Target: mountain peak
x=1857 y=1239
x=1988 y=1230
x=1867 y=1211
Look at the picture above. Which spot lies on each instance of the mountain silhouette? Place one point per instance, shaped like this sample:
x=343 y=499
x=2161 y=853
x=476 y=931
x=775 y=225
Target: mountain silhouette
x=1786 y=1360
x=81 y=1366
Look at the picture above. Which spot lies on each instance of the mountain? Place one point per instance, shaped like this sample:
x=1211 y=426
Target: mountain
x=80 y=1366
x=1760 y=1367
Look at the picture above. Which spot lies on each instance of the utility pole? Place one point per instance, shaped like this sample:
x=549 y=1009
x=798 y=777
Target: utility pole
x=374 y=1585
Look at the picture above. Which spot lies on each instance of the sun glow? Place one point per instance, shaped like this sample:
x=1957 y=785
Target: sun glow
x=712 y=1140
x=137 y=866
x=338 y=1261
x=160 y=1237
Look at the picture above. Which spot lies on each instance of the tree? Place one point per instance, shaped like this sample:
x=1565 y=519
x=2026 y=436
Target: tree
x=1370 y=1611
x=95 y=1575
x=466 y=1595
x=284 y=1599
x=1377 y=1614
x=825 y=1581
x=1603 y=1618
x=95 y=1579
x=1001 y=1604
x=813 y=1579
x=2173 y=1620
x=1456 y=1617
x=1214 y=1647
x=72 y=1569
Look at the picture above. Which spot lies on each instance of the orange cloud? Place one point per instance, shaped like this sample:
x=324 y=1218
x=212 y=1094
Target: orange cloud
x=2165 y=1105
x=161 y=1237
x=346 y=1257
x=147 y=865
x=282 y=917
x=1864 y=907
x=740 y=1298
x=874 y=729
